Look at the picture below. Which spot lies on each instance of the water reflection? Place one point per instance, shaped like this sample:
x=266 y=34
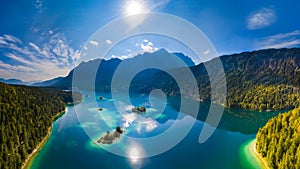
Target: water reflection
x=135 y=152
x=233 y=119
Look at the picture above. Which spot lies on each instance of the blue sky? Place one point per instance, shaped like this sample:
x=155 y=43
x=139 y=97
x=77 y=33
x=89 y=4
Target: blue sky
x=42 y=39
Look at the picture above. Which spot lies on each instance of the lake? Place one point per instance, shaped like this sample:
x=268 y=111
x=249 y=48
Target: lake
x=73 y=142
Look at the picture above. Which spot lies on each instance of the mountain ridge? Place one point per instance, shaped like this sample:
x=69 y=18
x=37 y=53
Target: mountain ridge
x=243 y=72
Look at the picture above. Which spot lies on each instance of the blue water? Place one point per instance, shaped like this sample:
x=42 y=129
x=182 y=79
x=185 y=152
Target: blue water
x=72 y=143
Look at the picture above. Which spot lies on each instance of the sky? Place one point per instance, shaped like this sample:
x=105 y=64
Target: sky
x=42 y=39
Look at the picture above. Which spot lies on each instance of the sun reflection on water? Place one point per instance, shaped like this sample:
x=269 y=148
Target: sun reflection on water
x=135 y=152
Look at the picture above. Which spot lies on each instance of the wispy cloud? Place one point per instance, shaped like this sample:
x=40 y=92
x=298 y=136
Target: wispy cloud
x=261 y=18
x=158 y=4
x=93 y=42
x=29 y=62
x=282 y=40
x=38 y=4
x=108 y=42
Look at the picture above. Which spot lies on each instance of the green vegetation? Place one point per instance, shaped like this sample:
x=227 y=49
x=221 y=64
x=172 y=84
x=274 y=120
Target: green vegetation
x=263 y=80
x=26 y=114
x=259 y=80
x=279 y=141
x=276 y=97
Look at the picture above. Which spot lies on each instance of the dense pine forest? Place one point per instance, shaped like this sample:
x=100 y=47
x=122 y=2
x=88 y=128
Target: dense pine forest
x=278 y=141
x=276 y=97
x=26 y=114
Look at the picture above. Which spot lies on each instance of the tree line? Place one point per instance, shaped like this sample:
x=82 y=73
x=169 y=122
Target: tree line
x=278 y=141
x=26 y=114
x=272 y=97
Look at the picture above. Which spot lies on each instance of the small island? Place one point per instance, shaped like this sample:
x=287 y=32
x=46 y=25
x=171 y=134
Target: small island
x=100 y=109
x=110 y=138
x=139 y=110
x=101 y=98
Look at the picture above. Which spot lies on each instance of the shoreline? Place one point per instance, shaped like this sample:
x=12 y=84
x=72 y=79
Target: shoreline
x=261 y=159
x=37 y=149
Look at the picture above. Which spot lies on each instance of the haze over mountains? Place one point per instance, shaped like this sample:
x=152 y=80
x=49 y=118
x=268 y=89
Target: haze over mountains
x=12 y=81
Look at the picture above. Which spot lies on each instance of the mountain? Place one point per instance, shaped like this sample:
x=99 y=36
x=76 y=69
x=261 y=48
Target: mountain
x=273 y=72
x=102 y=69
x=99 y=72
x=12 y=81
x=47 y=82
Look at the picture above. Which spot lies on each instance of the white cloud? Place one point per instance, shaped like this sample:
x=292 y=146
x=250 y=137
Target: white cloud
x=93 y=42
x=282 y=40
x=38 y=4
x=148 y=47
x=15 y=68
x=121 y=57
x=108 y=42
x=35 y=47
x=139 y=48
x=18 y=58
x=284 y=44
x=206 y=52
x=10 y=38
x=158 y=4
x=51 y=58
x=3 y=42
x=261 y=19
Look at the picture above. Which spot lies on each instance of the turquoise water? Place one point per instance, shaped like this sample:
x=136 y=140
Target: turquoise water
x=72 y=143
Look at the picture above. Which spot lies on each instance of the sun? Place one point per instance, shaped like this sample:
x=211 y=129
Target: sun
x=134 y=7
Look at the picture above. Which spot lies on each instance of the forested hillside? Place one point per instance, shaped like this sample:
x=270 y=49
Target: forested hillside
x=259 y=80
x=278 y=141
x=275 y=97
x=268 y=68
x=26 y=114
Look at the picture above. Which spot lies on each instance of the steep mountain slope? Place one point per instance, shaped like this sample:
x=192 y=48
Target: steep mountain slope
x=244 y=72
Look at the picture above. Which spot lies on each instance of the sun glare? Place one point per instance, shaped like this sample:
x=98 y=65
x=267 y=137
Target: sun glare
x=134 y=7
x=134 y=154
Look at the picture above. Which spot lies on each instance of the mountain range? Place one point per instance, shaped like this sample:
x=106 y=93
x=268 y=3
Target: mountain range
x=12 y=81
x=47 y=82
x=244 y=72
x=103 y=70
x=278 y=68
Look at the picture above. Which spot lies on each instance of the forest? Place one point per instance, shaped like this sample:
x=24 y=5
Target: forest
x=274 y=97
x=278 y=141
x=26 y=114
